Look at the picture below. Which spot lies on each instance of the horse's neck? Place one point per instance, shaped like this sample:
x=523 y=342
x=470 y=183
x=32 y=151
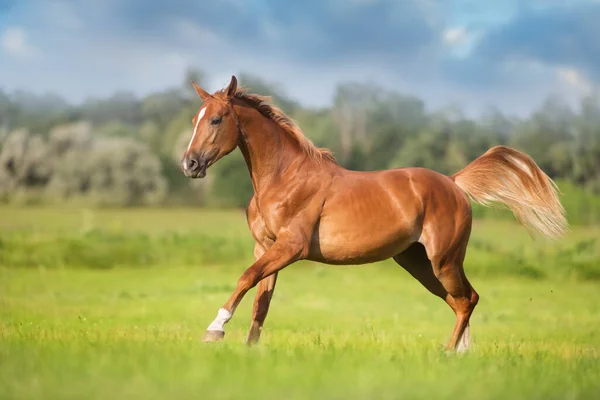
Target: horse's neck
x=269 y=152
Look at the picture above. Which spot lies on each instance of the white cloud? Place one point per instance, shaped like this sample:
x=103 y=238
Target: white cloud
x=14 y=41
x=574 y=78
x=454 y=36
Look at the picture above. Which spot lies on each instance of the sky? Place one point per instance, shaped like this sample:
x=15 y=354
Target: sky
x=509 y=54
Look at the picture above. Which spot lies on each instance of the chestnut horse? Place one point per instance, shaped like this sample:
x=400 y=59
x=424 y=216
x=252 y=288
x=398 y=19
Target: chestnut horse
x=307 y=207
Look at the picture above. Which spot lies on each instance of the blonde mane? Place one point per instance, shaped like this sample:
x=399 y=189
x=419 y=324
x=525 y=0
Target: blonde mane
x=263 y=105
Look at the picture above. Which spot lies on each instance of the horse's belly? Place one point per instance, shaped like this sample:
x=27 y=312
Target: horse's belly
x=353 y=242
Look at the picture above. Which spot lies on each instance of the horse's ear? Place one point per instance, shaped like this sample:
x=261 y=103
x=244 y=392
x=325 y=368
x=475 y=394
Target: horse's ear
x=204 y=95
x=232 y=88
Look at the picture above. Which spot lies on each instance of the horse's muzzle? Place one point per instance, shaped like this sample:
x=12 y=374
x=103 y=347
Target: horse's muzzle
x=194 y=166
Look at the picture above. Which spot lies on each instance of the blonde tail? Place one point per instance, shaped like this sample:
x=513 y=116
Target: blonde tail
x=510 y=177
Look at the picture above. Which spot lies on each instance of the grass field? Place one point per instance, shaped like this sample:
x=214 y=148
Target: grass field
x=114 y=303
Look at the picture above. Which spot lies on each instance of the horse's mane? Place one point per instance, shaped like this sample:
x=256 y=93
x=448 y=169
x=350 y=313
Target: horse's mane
x=263 y=105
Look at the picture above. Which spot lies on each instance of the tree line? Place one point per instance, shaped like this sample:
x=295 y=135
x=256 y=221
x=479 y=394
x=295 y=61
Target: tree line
x=125 y=151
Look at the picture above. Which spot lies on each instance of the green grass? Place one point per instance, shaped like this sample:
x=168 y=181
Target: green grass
x=130 y=325
x=106 y=239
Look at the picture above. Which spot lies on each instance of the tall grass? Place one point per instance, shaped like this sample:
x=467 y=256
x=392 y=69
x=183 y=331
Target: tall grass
x=497 y=248
x=104 y=250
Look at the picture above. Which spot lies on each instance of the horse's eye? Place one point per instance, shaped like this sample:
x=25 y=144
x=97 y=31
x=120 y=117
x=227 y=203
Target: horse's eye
x=216 y=120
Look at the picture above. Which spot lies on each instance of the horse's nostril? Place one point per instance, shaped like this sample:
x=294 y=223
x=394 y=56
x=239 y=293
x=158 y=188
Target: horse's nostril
x=192 y=164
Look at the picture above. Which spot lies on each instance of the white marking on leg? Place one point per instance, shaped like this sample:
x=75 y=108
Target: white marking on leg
x=200 y=115
x=465 y=341
x=222 y=317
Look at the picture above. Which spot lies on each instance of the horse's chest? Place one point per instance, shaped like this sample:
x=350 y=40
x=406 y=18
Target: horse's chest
x=272 y=224
x=280 y=210
x=273 y=219
x=264 y=224
x=260 y=231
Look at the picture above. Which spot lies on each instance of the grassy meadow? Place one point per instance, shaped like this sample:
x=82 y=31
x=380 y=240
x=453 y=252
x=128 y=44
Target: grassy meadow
x=113 y=303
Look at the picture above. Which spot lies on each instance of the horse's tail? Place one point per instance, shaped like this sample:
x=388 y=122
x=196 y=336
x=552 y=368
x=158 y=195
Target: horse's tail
x=512 y=178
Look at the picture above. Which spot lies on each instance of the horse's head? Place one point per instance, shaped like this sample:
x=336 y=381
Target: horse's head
x=215 y=131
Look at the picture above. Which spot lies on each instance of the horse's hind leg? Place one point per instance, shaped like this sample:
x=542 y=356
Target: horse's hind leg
x=462 y=298
x=415 y=261
x=465 y=339
x=448 y=283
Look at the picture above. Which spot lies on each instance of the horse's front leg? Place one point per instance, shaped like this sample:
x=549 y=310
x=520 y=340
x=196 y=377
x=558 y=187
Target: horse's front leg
x=262 y=300
x=287 y=249
x=264 y=294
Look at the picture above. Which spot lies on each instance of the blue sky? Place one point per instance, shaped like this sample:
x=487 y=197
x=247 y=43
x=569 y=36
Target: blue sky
x=510 y=53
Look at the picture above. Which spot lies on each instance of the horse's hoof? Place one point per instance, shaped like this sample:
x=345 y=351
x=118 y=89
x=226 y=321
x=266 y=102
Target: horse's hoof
x=214 y=336
x=252 y=340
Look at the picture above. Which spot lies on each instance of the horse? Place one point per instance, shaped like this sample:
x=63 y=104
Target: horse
x=306 y=206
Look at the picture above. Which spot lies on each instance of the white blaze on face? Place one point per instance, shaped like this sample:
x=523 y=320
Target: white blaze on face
x=200 y=115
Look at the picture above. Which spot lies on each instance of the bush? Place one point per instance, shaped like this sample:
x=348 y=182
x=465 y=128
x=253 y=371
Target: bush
x=74 y=165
